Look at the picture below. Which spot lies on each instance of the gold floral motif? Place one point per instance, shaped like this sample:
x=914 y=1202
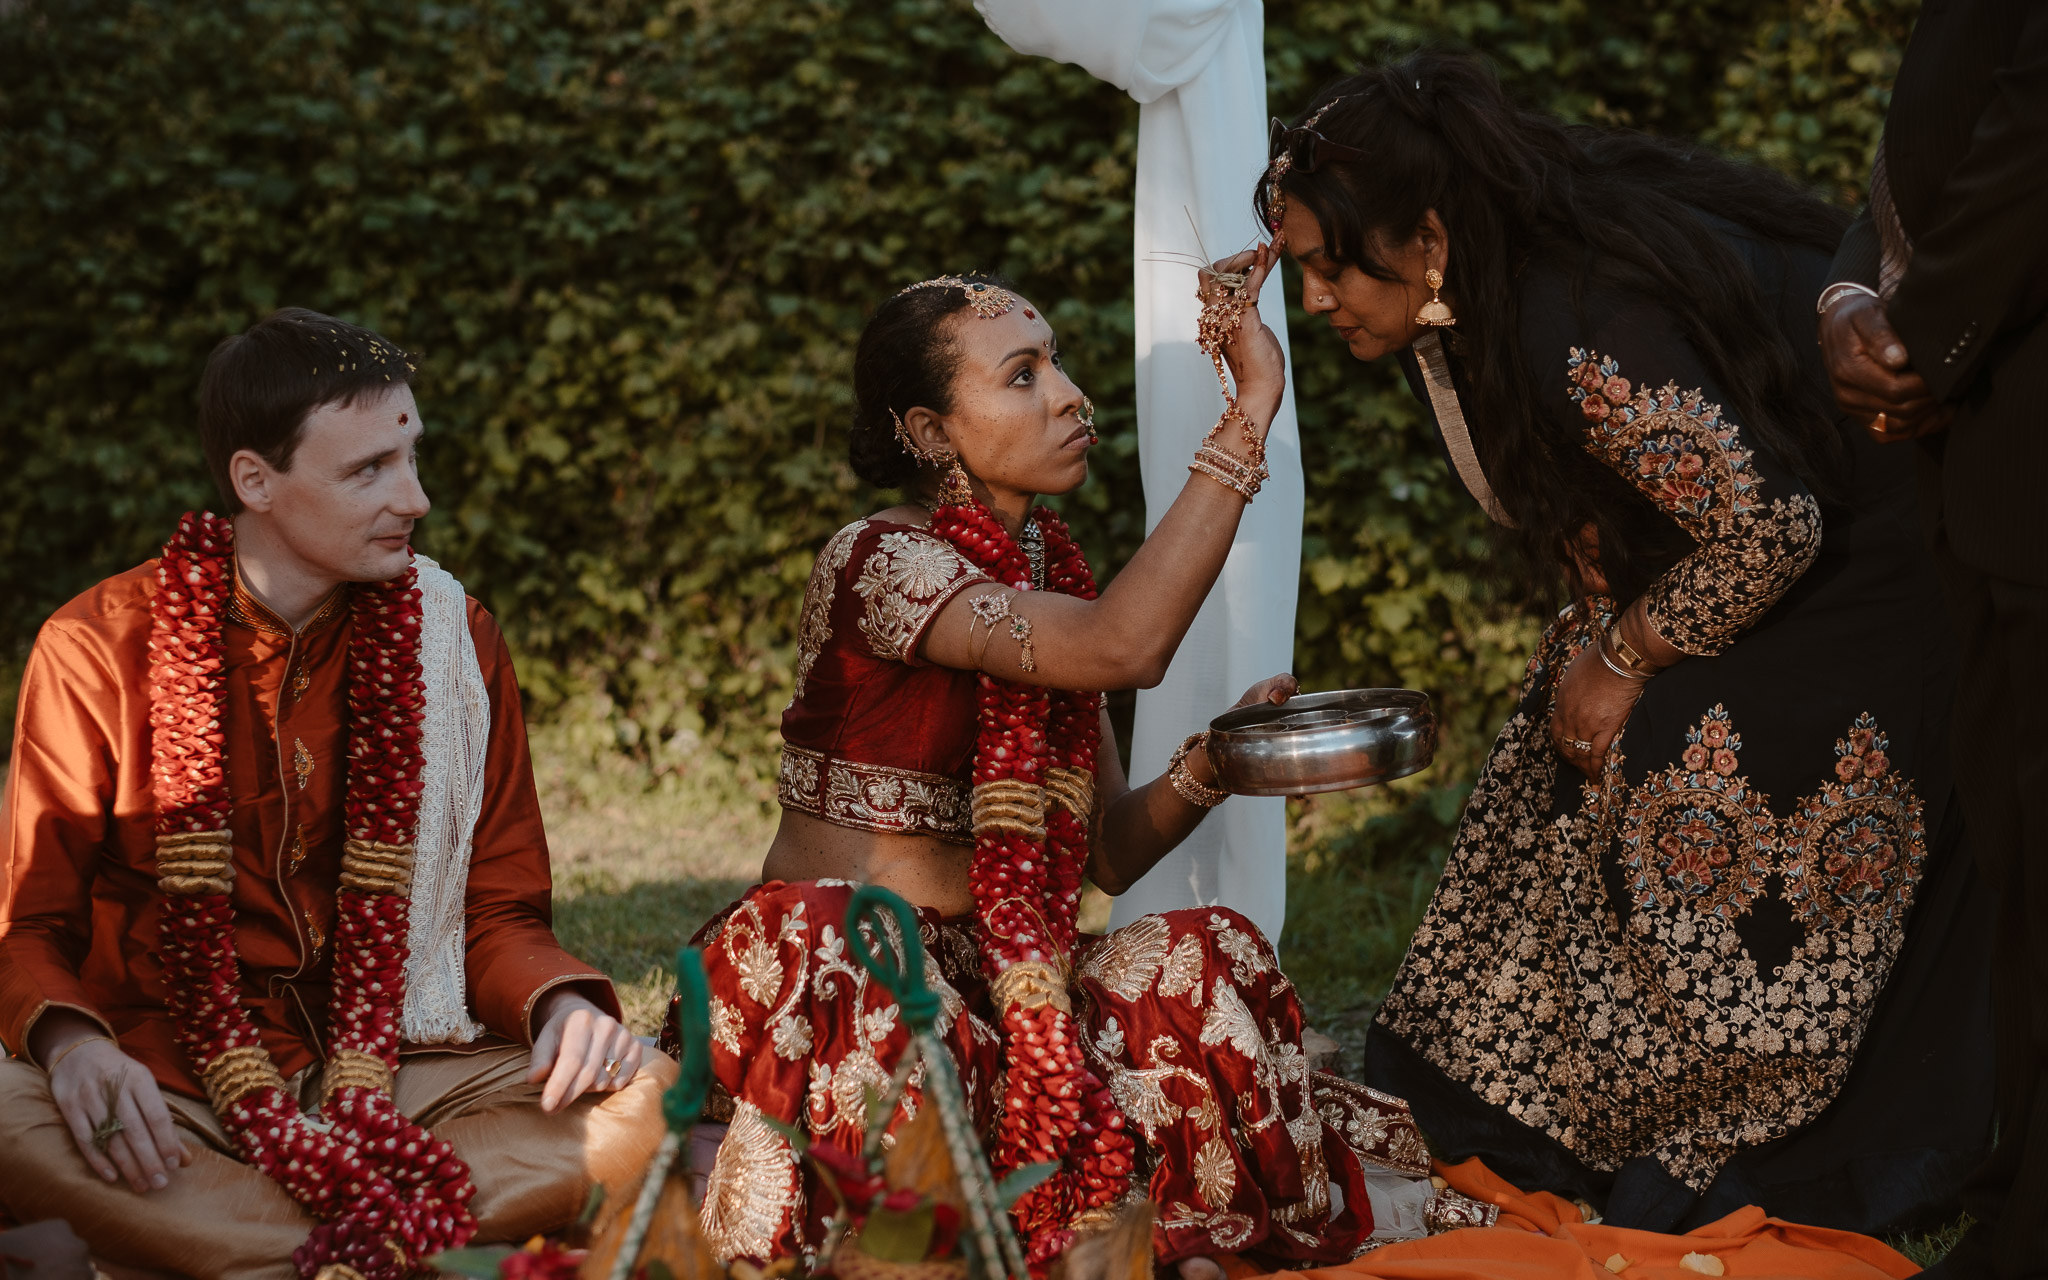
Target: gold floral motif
x=1109 y=1042
x=300 y=679
x=1216 y=1173
x=1682 y=454
x=1687 y=1048
x=726 y=1025
x=1228 y=1231
x=873 y=797
x=1127 y=960
x=816 y=627
x=752 y=1189
x=1247 y=958
x=759 y=969
x=1182 y=974
x=1230 y=1022
x=1376 y=1126
x=1140 y=1093
x=791 y=1036
x=302 y=762
x=909 y=578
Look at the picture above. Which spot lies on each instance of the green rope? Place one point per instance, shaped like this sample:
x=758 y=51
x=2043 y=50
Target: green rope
x=919 y=1003
x=684 y=1102
x=681 y=1105
x=992 y=1245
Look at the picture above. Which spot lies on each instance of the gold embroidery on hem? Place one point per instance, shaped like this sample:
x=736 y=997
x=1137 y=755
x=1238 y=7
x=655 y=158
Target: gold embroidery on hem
x=874 y=797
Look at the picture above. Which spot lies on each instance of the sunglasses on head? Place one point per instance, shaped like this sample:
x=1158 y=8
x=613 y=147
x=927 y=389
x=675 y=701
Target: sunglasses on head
x=1306 y=149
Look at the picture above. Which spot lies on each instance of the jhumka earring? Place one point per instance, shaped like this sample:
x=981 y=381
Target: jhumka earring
x=1436 y=312
x=954 y=489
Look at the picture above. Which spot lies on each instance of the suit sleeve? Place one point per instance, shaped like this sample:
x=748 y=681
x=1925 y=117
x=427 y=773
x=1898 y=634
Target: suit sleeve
x=513 y=957
x=1859 y=256
x=51 y=828
x=1981 y=269
x=1644 y=403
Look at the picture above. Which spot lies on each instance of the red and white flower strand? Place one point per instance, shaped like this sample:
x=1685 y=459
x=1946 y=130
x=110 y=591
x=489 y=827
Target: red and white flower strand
x=1027 y=896
x=388 y=1193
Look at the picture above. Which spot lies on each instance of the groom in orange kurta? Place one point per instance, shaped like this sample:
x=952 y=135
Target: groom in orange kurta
x=109 y=1125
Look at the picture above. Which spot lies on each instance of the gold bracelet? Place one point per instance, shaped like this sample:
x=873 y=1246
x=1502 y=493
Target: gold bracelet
x=65 y=1052
x=1182 y=779
x=1625 y=653
x=1231 y=472
x=1633 y=676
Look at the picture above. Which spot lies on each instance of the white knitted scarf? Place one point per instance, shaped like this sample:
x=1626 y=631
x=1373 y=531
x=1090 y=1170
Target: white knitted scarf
x=453 y=741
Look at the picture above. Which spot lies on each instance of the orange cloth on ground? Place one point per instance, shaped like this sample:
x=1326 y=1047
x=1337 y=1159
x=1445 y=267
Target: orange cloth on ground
x=1541 y=1236
x=79 y=905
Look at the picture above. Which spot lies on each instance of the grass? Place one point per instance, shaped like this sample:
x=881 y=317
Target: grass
x=639 y=868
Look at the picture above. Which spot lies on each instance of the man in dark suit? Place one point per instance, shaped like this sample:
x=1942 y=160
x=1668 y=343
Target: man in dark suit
x=1937 y=330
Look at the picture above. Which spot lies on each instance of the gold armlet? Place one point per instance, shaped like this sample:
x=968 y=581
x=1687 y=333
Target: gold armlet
x=994 y=608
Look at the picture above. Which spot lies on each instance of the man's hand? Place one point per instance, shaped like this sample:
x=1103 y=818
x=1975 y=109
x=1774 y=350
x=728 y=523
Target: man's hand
x=94 y=1083
x=579 y=1048
x=1872 y=374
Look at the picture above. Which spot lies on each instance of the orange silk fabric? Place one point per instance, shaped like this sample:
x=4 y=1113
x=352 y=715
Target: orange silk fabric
x=78 y=898
x=1544 y=1237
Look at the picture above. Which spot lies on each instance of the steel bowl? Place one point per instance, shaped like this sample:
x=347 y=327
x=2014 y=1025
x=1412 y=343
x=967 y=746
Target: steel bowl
x=1322 y=742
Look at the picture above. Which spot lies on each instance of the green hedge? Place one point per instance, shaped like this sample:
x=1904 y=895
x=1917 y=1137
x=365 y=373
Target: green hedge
x=634 y=242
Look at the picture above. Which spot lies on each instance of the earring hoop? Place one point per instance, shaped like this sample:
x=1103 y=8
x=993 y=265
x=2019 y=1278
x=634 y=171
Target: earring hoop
x=1435 y=313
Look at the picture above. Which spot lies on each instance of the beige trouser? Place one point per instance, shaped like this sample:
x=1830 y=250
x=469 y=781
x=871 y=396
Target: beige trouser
x=221 y=1219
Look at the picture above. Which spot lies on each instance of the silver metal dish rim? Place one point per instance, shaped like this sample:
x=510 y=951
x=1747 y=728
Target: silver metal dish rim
x=1234 y=753
x=1231 y=724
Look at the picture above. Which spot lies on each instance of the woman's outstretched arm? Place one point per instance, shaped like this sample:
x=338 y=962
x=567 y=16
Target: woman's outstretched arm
x=1137 y=826
x=1125 y=638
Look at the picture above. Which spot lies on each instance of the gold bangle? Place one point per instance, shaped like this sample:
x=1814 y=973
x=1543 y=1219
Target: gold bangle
x=1183 y=780
x=65 y=1052
x=1626 y=653
x=1626 y=673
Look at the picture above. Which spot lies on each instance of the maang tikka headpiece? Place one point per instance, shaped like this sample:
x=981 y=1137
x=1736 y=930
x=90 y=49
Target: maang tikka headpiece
x=988 y=300
x=1283 y=164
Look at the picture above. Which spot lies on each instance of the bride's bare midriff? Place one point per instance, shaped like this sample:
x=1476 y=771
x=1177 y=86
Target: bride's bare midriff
x=927 y=871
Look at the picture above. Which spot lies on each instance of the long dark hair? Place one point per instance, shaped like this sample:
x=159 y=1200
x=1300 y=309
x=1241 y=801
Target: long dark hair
x=1617 y=209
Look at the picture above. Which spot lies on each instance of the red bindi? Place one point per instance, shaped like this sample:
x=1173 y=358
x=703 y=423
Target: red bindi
x=1029 y=314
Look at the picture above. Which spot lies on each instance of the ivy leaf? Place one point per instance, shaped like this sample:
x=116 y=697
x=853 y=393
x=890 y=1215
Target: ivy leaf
x=1018 y=1181
x=898 y=1235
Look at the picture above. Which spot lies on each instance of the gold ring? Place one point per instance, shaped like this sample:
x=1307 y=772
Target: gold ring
x=611 y=1066
x=1576 y=745
x=103 y=1133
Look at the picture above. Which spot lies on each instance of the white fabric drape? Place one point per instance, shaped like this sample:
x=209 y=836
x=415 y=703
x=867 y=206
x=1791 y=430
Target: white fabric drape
x=1196 y=68
x=454 y=737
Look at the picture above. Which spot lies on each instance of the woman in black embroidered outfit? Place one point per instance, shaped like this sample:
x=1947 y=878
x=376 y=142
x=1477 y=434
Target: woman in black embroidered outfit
x=1669 y=966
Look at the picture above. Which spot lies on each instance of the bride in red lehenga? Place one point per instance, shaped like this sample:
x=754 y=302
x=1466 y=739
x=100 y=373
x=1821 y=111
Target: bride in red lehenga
x=947 y=741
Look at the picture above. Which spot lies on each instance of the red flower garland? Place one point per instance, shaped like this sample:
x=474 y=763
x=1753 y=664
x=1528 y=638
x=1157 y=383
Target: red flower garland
x=1027 y=896
x=388 y=1192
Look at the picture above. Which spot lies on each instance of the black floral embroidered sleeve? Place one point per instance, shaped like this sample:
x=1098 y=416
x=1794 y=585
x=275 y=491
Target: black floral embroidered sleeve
x=1757 y=527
